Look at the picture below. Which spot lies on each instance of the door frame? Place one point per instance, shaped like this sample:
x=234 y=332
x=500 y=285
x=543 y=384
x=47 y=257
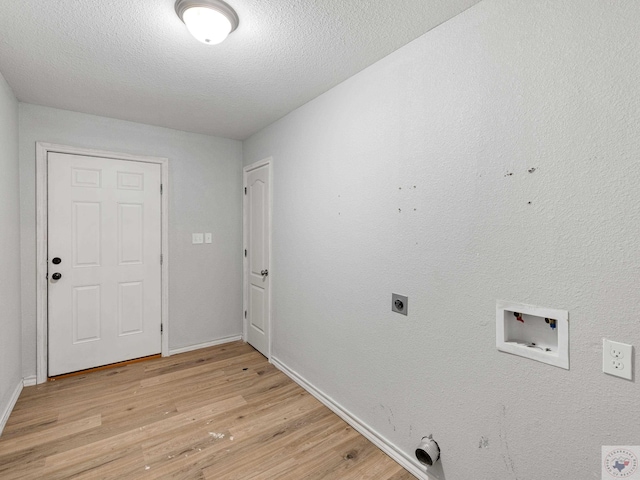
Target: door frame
x=42 y=151
x=245 y=270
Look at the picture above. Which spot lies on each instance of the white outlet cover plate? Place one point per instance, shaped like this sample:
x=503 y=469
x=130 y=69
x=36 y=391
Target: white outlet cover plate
x=207 y=238
x=617 y=359
x=196 y=238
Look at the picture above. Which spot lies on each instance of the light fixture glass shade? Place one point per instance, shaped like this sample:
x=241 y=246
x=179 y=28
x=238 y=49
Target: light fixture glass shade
x=210 y=21
x=207 y=25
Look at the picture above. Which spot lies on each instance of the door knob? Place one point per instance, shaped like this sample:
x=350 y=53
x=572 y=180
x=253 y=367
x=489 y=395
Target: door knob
x=264 y=273
x=56 y=276
x=56 y=260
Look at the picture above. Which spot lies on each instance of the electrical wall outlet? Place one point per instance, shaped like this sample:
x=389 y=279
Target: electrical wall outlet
x=399 y=303
x=617 y=359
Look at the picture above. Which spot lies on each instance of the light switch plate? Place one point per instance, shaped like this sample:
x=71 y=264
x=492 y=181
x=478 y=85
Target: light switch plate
x=617 y=359
x=207 y=238
x=196 y=238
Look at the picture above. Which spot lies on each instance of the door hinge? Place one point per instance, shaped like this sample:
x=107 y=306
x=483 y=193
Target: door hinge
x=160 y=189
x=245 y=190
x=245 y=252
x=161 y=328
x=161 y=259
x=245 y=314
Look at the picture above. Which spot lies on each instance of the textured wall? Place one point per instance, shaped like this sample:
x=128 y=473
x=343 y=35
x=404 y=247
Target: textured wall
x=413 y=177
x=10 y=356
x=205 y=175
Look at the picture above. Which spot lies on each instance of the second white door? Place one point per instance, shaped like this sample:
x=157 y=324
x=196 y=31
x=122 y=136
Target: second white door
x=257 y=238
x=104 y=271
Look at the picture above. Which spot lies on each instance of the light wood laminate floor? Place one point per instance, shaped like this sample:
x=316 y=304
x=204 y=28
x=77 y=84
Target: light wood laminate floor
x=218 y=413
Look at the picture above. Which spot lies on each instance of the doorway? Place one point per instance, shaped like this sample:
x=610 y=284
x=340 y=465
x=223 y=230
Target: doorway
x=257 y=256
x=102 y=262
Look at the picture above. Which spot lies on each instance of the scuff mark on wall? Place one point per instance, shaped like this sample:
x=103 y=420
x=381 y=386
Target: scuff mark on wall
x=506 y=454
x=388 y=413
x=391 y=419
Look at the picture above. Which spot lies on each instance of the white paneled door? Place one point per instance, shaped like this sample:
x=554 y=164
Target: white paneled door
x=104 y=272
x=258 y=228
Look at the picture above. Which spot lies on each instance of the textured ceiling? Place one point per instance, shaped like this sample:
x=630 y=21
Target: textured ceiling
x=135 y=60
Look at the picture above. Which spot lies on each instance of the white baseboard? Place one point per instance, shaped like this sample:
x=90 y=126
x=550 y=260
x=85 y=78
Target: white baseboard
x=378 y=440
x=29 y=381
x=6 y=411
x=220 y=341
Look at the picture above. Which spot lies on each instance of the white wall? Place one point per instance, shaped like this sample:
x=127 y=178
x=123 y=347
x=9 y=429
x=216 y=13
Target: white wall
x=205 y=174
x=10 y=336
x=412 y=177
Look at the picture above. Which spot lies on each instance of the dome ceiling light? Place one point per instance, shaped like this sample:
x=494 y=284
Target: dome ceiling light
x=210 y=21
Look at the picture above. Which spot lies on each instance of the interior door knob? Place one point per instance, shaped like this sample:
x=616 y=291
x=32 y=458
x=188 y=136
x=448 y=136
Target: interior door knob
x=56 y=276
x=264 y=273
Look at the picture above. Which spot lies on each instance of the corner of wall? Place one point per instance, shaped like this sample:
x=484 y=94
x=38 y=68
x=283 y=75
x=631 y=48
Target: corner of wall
x=8 y=408
x=10 y=290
